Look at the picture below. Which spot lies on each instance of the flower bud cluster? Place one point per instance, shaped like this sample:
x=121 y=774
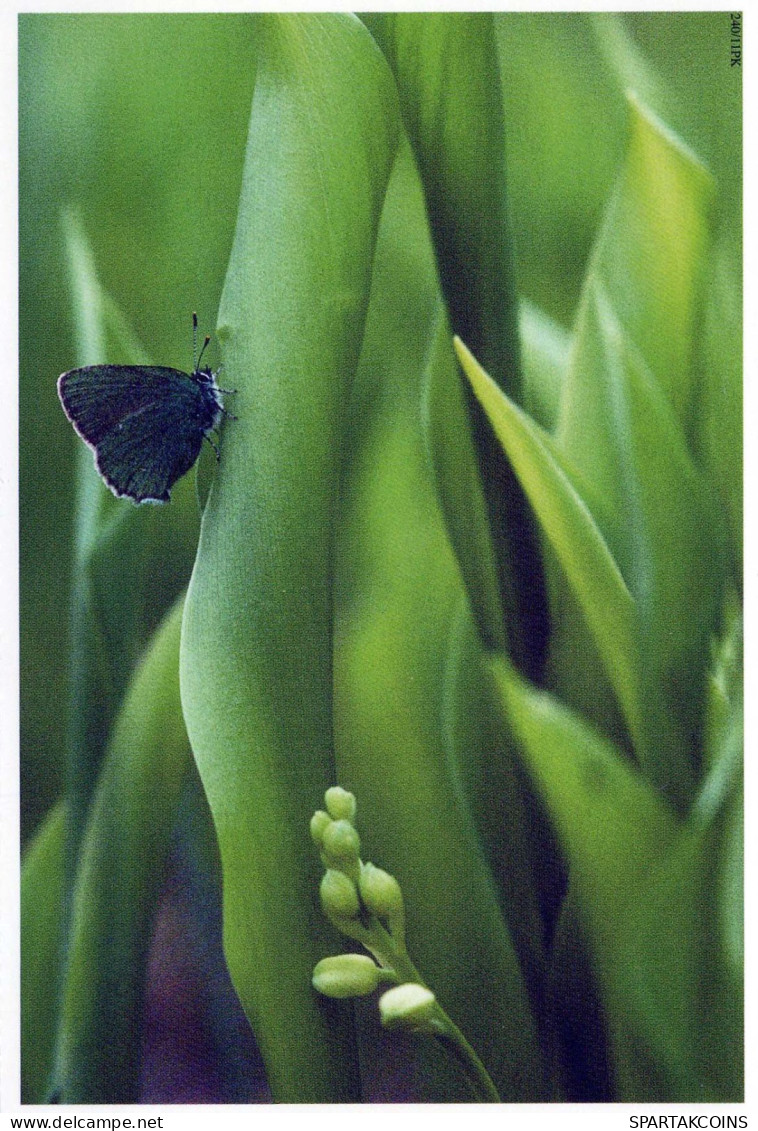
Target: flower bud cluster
x=365 y=903
x=336 y=838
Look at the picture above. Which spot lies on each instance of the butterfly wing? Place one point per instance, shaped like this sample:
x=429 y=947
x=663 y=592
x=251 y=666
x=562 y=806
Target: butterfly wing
x=143 y=457
x=96 y=398
x=145 y=424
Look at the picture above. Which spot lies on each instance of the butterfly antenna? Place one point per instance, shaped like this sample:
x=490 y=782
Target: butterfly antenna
x=202 y=351
x=195 y=359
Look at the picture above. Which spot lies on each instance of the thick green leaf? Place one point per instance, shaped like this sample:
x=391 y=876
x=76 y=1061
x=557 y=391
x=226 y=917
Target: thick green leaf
x=129 y=562
x=568 y=524
x=121 y=866
x=257 y=639
x=545 y=349
x=624 y=851
x=42 y=902
x=618 y=432
x=660 y=930
x=630 y=66
x=719 y=419
x=650 y=257
x=398 y=588
x=447 y=73
x=518 y=843
x=626 y=409
x=453 y=455
x=610 y=820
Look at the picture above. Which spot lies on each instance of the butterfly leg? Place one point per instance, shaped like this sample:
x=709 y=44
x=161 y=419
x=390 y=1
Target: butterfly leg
x=214 y=446
x=217 y=374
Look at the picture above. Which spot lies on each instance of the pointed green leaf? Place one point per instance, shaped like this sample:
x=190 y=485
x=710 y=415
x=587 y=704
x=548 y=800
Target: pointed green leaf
x=42 y=903
x=717 y=820
x=659 y=929
x=545 y=349
x=446 y=68
x=129 y=562
x=723 y=724
x=610 y=820
x=625 y=853
x=485 y=764
x=631 y=67
x=453 y=456
x=650 y=257
x=719 y=416
x=574 y=668
x=619 y=432
x=571 y=530
x=121 y=866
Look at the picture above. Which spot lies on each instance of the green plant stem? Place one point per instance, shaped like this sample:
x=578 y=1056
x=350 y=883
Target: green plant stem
x=476 y=1074
x=390 y=951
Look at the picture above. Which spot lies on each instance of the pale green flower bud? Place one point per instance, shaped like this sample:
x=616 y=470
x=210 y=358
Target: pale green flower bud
x=347 y=975
x=339 y=895
x=320 y=821
x=380 y=891
x=341 y=842
x=340 y=804
x=411 y=1007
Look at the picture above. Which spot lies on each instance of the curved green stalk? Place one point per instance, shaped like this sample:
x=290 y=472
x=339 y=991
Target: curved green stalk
x=257 y=643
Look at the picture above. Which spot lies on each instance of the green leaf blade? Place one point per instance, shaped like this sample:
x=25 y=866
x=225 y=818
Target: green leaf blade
x=573 y=533
x=719 y=426
x=42 y=925
x=608 y=816
x=447 y=72
x=652 y=251
x=129 y=563
x=448 y=79
x=625 y=425
x=630 y=867
x=454 y=458
x=122 y=861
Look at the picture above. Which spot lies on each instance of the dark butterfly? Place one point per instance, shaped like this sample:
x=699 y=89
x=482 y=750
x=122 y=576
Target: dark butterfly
x=145 y=423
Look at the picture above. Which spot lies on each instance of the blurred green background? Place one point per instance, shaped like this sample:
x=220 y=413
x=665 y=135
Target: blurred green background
x=138 y=123
x=132 y=136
